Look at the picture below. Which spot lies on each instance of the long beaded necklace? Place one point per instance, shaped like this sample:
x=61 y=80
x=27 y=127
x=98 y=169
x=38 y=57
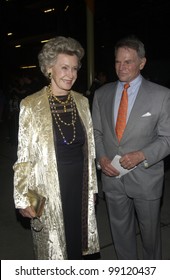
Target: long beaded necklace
x=64 y=103
x=52 y=101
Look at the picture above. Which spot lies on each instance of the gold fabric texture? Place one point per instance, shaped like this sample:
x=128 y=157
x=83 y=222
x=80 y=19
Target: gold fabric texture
x=36 y=169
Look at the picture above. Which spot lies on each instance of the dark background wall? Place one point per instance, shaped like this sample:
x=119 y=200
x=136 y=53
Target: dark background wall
x=147 y=19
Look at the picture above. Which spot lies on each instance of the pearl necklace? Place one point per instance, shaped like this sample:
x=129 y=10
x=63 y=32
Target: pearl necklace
x=52 y=101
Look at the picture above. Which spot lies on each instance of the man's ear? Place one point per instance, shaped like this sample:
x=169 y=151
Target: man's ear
x=142 y=64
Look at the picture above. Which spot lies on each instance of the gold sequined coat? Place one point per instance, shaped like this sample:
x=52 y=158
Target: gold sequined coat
x=36 y=168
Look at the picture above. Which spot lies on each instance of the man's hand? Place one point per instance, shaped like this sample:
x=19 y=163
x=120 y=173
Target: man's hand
x=107 y=168
x=132 y=159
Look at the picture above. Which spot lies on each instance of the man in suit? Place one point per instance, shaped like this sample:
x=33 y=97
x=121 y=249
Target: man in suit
x=144 y=145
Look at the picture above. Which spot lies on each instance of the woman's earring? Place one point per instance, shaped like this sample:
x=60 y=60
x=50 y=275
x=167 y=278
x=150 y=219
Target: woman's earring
x=49 y=86
x=49 y=75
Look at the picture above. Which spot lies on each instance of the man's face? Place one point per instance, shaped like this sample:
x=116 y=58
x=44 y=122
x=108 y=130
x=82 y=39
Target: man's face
x=128 y=64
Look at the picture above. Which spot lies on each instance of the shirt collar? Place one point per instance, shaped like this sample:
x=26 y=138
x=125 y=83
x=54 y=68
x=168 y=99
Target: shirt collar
x=133 y=83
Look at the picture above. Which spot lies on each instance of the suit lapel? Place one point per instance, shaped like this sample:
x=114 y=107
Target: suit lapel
x=139 y=108
x=109 y=105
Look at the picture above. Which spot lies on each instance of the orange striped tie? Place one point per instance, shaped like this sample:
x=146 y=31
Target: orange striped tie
x=122 y=113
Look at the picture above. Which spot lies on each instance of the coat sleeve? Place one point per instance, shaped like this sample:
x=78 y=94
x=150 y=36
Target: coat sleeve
x=22 y=167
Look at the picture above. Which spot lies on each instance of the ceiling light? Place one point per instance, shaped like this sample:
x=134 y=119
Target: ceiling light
x=49 y=10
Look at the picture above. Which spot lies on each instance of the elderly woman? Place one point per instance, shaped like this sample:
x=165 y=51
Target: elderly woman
x=56 y=156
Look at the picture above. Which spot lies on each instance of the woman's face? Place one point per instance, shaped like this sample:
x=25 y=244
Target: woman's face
x=64 y=73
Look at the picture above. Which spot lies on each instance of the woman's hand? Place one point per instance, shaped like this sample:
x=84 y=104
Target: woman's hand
x=28 y=212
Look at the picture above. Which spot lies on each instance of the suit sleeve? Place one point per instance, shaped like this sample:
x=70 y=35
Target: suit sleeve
x=160 y=147
x=98 y=131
